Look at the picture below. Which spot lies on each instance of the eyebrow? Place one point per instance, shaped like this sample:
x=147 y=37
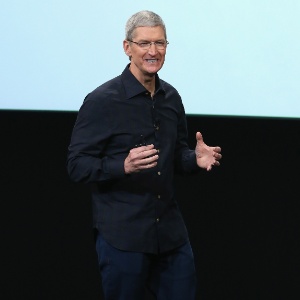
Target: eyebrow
x=147 y=41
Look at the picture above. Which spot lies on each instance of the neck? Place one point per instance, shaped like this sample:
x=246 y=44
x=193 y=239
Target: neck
x=147 y=80
x=149 y=84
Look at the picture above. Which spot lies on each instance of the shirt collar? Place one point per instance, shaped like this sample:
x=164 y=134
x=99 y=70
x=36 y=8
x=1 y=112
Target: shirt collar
x=133 y=87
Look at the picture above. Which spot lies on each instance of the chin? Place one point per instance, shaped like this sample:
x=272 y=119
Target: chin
x=153 y=70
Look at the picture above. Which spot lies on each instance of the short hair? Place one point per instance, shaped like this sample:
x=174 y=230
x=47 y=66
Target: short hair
x=143 y=18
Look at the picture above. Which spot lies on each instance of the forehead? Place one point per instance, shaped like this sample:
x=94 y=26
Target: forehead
x=149 y=33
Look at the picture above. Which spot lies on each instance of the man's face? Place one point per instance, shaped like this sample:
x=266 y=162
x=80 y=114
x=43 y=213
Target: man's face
x=146 y=62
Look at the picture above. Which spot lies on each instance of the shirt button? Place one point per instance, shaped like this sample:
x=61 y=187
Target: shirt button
x=158 y=196
x=158 y=173
x=157 y=220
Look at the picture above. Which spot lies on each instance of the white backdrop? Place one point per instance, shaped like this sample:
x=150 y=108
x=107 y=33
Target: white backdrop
x=226 y=57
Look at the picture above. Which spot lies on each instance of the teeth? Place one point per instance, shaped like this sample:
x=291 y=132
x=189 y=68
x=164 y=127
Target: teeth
x=151 y=61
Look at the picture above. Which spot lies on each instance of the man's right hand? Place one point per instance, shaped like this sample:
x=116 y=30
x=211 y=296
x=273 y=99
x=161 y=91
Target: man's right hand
x=140 y=158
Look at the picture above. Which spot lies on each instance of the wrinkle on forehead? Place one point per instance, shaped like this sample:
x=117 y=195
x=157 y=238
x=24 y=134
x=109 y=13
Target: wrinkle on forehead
x=149 y=33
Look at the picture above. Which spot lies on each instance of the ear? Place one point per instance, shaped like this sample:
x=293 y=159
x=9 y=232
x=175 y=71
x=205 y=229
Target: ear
x=127 y=48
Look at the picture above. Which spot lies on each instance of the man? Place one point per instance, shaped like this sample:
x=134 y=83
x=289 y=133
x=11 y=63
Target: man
x=129 y=139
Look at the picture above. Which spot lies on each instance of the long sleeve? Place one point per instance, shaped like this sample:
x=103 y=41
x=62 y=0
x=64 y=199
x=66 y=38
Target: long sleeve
x=185 y=158
x=88 y=160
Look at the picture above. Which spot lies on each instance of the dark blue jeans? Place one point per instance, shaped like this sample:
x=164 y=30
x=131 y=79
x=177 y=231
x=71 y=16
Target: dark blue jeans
x=127 y=275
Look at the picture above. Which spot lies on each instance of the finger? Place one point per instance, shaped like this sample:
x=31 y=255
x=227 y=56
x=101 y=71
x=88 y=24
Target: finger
x=199 y=137
x=142 y=152
x=216 y=163
x=217 y=155
x=148 y=160
x=151 y=159
x=148 y=166
x=148 y=153
x=148 y=147
x=217 y=149
x=142 y=148
x=145 y=158
x=148 y=163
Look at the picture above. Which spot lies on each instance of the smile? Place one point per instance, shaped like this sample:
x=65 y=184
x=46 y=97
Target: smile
x=151 y=61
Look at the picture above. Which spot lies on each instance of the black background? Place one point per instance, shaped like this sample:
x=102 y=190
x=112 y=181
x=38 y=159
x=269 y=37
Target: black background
x=243 y=217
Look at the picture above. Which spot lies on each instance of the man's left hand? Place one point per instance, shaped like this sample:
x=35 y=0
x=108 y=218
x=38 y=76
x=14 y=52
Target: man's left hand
x=207 y=156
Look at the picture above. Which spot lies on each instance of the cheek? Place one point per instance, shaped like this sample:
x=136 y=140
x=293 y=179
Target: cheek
x=163 y=57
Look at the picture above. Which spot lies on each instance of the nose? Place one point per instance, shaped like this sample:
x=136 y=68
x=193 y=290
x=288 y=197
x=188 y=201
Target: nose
x=152 y=49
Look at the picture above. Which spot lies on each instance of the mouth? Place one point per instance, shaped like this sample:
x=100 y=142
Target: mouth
x=151 y=61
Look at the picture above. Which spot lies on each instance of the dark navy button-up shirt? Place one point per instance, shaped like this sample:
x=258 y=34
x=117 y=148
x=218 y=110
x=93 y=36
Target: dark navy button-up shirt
x=135 y=212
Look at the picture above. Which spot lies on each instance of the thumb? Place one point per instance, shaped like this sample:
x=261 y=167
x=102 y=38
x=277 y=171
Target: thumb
x=199 y=137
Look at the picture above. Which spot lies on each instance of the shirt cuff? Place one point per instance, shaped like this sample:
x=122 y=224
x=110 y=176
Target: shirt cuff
x=116 y=168
x=190 y=162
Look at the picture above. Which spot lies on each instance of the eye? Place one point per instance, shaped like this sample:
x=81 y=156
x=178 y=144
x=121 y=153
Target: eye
x=144 y=44
x=160 y=44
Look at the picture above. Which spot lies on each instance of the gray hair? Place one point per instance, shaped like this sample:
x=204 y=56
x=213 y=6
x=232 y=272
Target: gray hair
x=143 y=18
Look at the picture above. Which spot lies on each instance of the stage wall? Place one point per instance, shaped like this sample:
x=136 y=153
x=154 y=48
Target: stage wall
x=243 y=217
